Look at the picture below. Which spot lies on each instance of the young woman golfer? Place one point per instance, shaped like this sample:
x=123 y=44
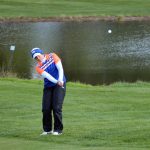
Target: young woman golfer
x=49 y=66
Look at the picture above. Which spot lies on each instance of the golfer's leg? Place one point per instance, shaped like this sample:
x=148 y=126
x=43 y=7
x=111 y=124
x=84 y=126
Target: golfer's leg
x=46 y=109
x=58 y=98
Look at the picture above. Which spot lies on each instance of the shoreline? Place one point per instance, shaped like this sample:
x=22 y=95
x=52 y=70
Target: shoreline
x=76 y=18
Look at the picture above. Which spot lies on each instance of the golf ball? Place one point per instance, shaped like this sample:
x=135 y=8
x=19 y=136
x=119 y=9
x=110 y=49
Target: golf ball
x=109 y=31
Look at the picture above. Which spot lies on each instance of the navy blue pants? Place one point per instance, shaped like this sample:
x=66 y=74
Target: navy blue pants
x=53 y=98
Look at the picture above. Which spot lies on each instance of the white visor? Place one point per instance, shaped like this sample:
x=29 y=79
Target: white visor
x=36 y=54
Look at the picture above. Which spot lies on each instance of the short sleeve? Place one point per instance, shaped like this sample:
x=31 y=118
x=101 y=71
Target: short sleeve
x=39 y=70
x=56 y=58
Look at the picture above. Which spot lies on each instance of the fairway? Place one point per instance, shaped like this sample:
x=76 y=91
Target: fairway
x=114 y=117
x=61 y=8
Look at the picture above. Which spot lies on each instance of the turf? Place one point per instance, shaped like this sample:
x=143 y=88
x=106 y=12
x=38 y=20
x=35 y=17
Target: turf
x=46 y=8
x=114 y=117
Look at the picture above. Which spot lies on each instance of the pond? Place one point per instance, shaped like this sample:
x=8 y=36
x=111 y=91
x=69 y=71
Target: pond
x=89 y=53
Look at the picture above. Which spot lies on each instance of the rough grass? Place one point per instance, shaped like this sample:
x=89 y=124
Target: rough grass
x=114 y=117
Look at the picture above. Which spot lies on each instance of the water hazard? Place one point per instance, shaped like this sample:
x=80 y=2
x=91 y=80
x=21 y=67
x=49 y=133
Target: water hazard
x=89 y=53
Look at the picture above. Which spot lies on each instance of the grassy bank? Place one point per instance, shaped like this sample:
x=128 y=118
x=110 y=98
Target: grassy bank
x=46 y=8
x=114 y=117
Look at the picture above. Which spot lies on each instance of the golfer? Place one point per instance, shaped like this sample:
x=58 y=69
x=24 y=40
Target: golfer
x=49 y=66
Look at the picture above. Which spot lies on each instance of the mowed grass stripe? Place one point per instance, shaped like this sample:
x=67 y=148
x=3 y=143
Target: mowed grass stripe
x=47 y=8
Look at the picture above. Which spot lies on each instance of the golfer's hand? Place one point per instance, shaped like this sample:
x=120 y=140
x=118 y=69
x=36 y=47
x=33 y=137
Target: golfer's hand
x=60 y=83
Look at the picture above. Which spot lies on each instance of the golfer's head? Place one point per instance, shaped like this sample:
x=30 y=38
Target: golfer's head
x=36 y=53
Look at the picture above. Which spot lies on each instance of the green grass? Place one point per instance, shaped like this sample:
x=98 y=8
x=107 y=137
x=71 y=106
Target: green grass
x=114 y=117
x=46 y=8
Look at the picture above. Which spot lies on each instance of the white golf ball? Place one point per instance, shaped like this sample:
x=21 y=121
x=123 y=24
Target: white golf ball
x=109 y=31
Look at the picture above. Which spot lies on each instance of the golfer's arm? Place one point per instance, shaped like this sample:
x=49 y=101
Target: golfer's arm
x=46 y=75
x=49 y=77
x=60 y=71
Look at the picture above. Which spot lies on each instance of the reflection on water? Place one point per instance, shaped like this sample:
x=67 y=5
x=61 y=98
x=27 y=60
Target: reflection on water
x=89 y=54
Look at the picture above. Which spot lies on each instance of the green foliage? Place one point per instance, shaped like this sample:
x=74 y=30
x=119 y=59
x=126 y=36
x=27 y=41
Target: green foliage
x=114 y=117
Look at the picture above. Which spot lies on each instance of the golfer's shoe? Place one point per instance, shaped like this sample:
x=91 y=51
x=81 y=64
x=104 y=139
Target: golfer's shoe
x=46 y=133
x=57 y=133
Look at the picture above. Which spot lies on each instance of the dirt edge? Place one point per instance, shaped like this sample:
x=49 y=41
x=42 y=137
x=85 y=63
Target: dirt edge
x=76 y=18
